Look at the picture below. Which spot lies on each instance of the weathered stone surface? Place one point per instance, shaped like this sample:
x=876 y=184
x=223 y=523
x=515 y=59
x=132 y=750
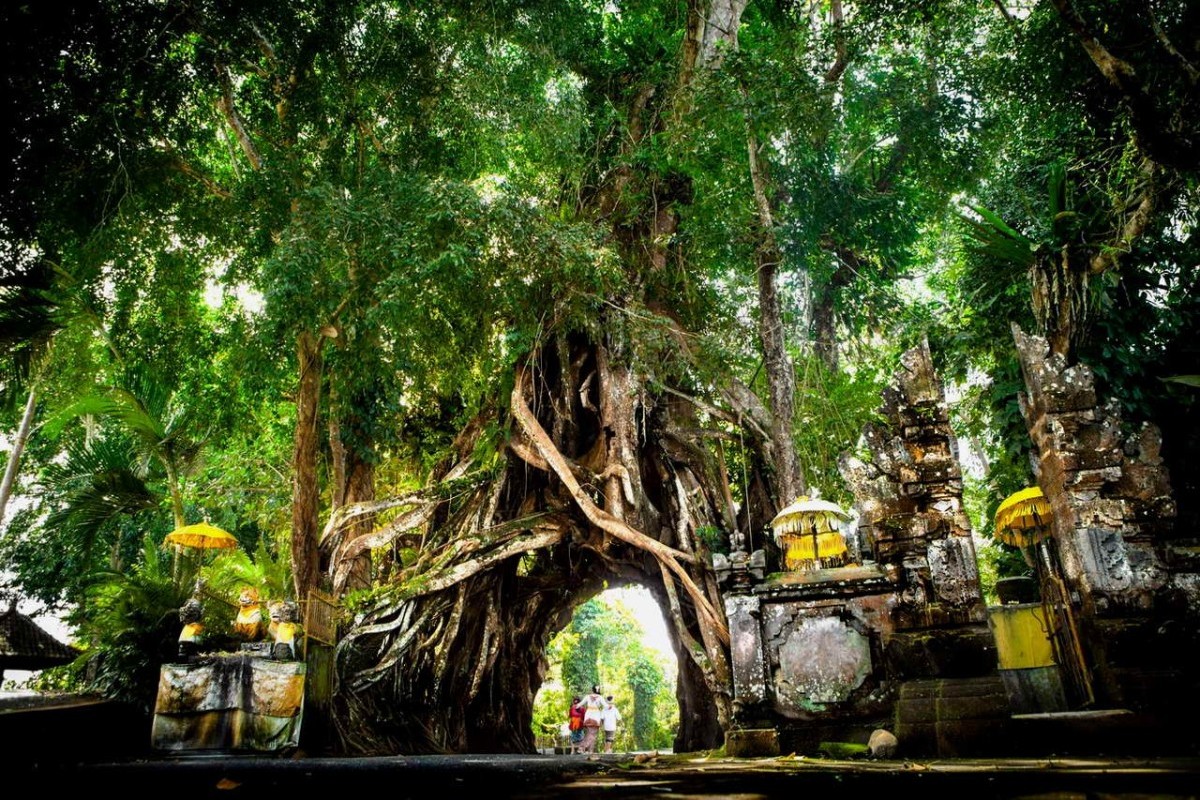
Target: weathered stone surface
x=749 y=675
x=1113 y=508
x=830 y=647
x=882 y=744
x=822 y=660
x=914 y=497
x=955 y=571
x=752 y=743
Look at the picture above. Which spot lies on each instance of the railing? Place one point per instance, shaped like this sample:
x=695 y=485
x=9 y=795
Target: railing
x=321 y=614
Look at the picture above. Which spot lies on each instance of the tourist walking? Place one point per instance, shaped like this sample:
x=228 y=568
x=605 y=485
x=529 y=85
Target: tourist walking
x=575 y=723
x=609 y=718
x=593 y=709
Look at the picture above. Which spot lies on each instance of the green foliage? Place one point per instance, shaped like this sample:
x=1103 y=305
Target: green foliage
x=595 y=629
x=604 y=640
x=129 y=626
x=832 y=407
x=267 y=570
x=90 y=512
x=439 y=189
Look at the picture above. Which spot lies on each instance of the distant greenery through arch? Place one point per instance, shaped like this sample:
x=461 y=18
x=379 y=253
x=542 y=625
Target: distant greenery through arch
x=610 y=643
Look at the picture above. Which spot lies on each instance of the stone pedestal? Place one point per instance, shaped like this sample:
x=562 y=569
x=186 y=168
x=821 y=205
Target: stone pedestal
x=229 y=703
x=752 y=743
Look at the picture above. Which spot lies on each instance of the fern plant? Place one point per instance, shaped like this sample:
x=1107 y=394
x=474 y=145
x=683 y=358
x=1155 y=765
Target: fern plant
x=129 y=626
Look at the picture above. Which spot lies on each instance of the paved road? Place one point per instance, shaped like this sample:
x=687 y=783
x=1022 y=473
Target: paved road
x=617 y=776
x=83 y=748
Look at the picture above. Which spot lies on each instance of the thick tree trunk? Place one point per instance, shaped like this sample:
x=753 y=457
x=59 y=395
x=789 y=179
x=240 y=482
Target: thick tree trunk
x=452 y=659
x=305 y=491
x=1060 y=295
x=606 y=482
x=781 y=379
x=824 y=315
x=360 y=488
x=824 y=327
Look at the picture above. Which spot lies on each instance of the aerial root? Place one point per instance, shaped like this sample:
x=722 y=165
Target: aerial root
x=668 y=556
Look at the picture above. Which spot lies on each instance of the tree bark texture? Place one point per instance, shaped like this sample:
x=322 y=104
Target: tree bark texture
x=305 y=491
x=451 y=656
x=781 y=378
x=1059 y=291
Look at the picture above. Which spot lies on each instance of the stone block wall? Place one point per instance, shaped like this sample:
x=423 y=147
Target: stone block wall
x=822 y=655
x=908 y=487
x=1106 y=483
x=1136 y=579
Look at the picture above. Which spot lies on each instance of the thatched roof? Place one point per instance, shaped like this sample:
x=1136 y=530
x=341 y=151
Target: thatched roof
x=24 y=645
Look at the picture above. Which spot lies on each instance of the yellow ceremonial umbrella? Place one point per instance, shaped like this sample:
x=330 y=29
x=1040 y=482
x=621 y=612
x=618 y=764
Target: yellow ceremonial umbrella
x=1024 y=518
x=808 y=532
x=201 y=536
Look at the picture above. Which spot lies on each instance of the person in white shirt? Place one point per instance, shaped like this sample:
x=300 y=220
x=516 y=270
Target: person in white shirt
x=593 y=708
x=609 y=717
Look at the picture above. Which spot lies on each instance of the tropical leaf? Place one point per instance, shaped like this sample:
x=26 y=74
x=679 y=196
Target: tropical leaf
x=995 y=223
x=998 y=240
x=96 y=483
x=131 y=621
x=29 y=319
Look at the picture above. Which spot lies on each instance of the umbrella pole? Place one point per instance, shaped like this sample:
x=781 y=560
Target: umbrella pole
x=1064 y=636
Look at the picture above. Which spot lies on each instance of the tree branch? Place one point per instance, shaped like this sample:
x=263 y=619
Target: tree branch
x=1135 y=224
x=841 y=53
x=227 y=108
x=1192 y=73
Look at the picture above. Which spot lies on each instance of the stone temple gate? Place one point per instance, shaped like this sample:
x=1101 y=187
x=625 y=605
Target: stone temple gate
x=900 y=639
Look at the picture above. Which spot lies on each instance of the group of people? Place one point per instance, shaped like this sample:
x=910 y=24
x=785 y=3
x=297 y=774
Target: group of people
x=587 y=717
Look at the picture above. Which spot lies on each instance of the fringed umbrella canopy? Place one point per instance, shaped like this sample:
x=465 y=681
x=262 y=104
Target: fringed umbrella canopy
x=1024 y=518
x=808 y=533
x=201 y=536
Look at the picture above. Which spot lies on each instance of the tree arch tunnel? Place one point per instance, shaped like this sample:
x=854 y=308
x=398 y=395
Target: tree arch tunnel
x=459 y=671
x=596 y=483
x=619 y=641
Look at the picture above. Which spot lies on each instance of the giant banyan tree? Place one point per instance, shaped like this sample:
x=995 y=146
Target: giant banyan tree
x=601 y=482
x=514 y=280
x=603 y=479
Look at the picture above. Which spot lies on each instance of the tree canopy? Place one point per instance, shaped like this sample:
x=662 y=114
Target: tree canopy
x=464 y=309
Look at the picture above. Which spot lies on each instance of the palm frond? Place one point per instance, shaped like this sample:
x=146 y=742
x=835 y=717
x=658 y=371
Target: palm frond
x=29 y=319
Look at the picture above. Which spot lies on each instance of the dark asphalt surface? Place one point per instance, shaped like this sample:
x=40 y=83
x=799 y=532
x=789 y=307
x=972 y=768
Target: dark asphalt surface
x=81 y=748
x=614 y=776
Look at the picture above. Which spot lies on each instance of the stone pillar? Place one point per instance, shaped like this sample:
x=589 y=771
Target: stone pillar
x=909 y=493
x=1107 y=486
x=744 y=613
x=1137 y=587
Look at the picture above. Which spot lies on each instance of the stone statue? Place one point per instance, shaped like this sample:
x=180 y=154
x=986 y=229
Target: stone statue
x=249 y=625
x=191 y=638
x=285 y=630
